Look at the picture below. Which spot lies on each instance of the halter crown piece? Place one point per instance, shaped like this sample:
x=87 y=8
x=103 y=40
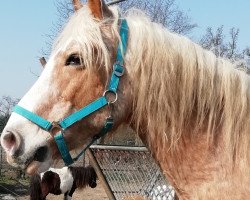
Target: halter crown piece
x=118 y=71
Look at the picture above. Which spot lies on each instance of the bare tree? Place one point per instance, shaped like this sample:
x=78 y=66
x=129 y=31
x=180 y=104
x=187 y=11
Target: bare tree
x=246 y=53
x=165 y=12
x=232 y=44
x=6 y=106
x=216 y=41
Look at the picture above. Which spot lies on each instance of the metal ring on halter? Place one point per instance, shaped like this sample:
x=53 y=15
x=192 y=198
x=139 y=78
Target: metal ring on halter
x=112 y=92
x=55 y=125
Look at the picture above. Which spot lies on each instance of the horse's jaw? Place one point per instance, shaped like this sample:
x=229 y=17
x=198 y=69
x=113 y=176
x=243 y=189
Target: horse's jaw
x=29 y=163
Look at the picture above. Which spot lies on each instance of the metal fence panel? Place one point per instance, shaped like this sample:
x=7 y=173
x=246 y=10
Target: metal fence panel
x=131 y=171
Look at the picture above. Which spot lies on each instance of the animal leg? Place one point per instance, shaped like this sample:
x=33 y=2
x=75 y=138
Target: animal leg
x=66 y=197
x=71 y=191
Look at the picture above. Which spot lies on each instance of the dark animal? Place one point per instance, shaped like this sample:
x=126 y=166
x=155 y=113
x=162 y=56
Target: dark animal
x=61 y=181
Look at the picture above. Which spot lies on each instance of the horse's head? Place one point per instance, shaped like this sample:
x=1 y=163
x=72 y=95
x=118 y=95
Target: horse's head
x=77 y=73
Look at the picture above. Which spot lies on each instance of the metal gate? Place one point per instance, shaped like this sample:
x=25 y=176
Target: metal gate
x=129 y=172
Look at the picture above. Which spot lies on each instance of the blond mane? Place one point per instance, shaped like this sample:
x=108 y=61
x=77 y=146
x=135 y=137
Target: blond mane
x=178 y=86
x=184 y=89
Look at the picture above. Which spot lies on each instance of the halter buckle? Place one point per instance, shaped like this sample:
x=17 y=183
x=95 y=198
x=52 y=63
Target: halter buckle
x=118 y=69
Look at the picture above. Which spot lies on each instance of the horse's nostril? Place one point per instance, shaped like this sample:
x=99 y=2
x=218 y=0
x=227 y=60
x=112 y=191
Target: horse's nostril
x=41 y=154
x=9 y=140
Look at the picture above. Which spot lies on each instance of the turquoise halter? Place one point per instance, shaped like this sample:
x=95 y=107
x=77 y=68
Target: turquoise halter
x=118 y=71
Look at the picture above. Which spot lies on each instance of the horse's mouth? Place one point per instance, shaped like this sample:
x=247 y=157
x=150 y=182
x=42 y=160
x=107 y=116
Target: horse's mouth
x=41 y=154
x=33 y=164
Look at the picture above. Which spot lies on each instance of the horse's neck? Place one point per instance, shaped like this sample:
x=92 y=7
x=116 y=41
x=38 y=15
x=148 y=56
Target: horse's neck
x=184 y=95
x=172 y=90
x=197 y=171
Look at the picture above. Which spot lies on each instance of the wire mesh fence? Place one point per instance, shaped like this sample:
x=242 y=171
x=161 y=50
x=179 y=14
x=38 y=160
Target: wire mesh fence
x=131 y=171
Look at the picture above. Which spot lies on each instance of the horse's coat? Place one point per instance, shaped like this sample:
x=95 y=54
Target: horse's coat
x=190 y=108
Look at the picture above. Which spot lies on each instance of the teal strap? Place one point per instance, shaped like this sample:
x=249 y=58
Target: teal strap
x=122 y=47
x=41 y=122
x=107 y=127
x=68 y=121
x=61 y=144
x=62 y=147
x=84 y=112
x=118 y=69
x=115 y=77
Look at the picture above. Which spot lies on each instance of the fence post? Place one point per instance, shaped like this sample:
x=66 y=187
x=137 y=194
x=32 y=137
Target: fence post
x=100 y=175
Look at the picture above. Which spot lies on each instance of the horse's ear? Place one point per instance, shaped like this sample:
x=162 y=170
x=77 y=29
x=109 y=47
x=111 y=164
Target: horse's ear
x=99 y=9
x=77 y=4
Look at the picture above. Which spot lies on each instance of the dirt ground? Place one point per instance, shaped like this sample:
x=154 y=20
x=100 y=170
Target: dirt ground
x=97 y=193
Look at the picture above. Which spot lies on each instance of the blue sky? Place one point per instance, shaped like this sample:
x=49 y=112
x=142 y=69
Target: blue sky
x=214 y=13
x=24 y=24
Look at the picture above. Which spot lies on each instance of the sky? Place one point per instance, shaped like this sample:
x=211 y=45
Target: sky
x=214 y=13
x=24 y=24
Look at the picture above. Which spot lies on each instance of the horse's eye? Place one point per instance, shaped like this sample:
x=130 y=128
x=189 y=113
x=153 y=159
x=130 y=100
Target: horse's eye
x=74 y=60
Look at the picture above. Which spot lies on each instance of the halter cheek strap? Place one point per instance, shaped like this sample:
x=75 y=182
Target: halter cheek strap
x=118 y=71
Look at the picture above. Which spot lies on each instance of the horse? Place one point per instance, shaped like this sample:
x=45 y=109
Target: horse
x=61 y=181
x=189 y=107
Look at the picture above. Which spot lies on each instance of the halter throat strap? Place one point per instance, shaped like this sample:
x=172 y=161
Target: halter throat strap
x=118 y=71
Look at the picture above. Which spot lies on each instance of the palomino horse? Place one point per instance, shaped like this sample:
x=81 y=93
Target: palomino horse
x=190 y=108
x=61 y=181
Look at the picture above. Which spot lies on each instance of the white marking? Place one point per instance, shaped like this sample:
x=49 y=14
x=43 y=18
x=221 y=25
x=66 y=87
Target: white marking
x=65 y=177
x=32 y=136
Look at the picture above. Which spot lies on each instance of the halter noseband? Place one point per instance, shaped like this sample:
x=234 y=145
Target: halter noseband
x=118 y=71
